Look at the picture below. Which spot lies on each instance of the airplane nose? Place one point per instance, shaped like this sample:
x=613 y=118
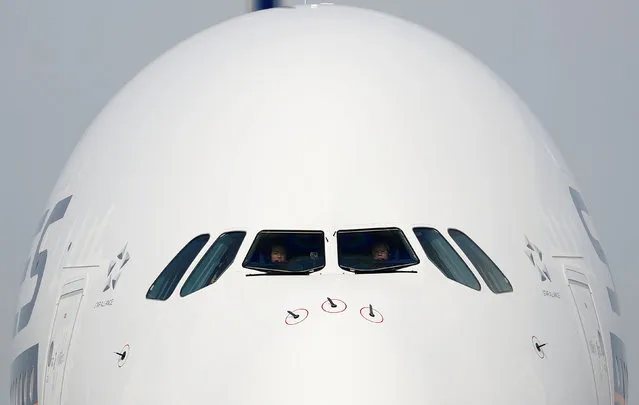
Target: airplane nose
x=401 y=352
x=341 y=351
x=329 y=364
x=362 y=345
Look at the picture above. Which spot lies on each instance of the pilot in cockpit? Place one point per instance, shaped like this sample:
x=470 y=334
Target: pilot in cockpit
x=380 y=251
x=278 y=254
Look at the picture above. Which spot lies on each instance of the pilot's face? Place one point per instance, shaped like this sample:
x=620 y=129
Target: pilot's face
x=278 y=255
x=380 y=252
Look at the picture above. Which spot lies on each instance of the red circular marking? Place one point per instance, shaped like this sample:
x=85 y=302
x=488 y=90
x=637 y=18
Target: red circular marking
x=365 y=315
x=540 y=353
x=334 y=312
x=126 y=349
x=296 y=321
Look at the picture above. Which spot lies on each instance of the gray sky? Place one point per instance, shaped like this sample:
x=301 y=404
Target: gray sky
x=572 y=61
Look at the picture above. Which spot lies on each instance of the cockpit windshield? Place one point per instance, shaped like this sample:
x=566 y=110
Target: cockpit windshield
x=287 y=252
x=374 y=250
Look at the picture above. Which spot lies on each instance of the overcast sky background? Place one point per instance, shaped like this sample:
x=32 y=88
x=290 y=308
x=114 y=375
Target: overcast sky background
x=575 y=63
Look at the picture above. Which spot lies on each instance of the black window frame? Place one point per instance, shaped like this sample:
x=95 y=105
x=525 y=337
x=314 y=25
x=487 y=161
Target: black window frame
x=488 y=279
x=446 y=272
x=257 y=240
x=409 y=249
x=203 y=265
x=203 y=239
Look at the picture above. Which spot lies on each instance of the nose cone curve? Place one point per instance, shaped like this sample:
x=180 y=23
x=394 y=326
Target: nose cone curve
x=423 y=344
x=329 y=354
x=331 y=350
x=334 y=355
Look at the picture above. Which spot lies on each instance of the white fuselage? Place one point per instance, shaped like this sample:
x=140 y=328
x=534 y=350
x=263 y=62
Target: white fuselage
x=317 y=119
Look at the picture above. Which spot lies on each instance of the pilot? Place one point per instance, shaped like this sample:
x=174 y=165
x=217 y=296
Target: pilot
x=278 y=254
x=380 y=251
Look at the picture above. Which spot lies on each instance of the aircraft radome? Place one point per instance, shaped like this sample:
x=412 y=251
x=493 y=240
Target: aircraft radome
x=317 y=204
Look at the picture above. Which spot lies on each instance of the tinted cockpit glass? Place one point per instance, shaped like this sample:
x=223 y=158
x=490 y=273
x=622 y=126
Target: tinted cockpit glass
x=165 y=283
x=287 y=251
x=214 y=262
x=374 y=250
x=442 y=254
x=487 y=269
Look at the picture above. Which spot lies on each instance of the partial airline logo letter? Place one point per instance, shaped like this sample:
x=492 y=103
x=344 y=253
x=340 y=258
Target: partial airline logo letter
x=584 y=215
x=578 y=200
x=39 y=262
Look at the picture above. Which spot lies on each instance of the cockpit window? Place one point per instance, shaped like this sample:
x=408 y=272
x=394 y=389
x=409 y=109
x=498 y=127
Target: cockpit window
x=487 y=269
x=214 y=262
x=374 y=250
x=442 y=254
x=165 y=283
x=287 y=252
